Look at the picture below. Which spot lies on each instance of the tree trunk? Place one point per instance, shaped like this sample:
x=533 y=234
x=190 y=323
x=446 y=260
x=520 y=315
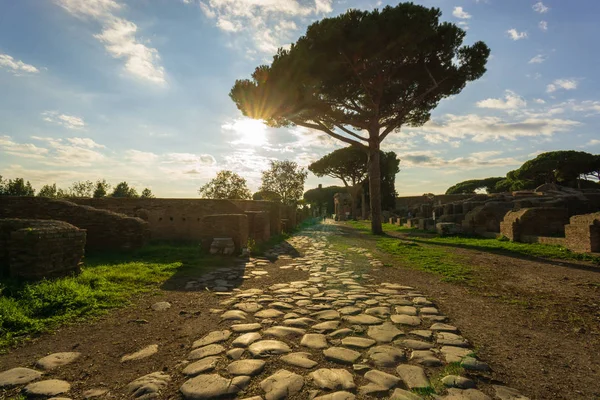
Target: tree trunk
x=375 y=184
x=363 y=203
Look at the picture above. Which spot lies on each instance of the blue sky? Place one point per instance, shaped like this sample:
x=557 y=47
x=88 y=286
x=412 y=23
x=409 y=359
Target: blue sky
x=137 y=90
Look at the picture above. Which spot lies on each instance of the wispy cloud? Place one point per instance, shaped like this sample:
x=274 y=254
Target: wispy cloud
x=538 y=59
x=16 y=66
x=516 y=35
x=459 y=12
x=543 y=25
x=511 y=101
x=68 y=121
x=539 y=7
x=119 y=37
x=433 y=159
x=264 y=25
x=566 y=84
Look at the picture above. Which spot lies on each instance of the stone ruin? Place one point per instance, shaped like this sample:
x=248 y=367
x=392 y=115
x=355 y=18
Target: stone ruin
x=551 y=214
x=115 y=224
x=343 y=206
x=36 y=249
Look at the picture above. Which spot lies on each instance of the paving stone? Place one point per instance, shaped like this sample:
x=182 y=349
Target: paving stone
x=506 y=393
x=384 y=333
x=405 y=319
x=358 y=342
x=269 y=313
x=342 y=395
x=422 y=333
x=299 y=322
x=212 y=337
x=282 y=384
x=148 y=386
x=235 y=354
x=406 y=310
x=469 y=394
x=246 y=367
x=204 y=365
x=212 y=386
x=425 y=357
x=422 y=301
x=314 y=341
x=451 y=339
x=291 y=315
x=326 y=315
x=386 y=356
x=414 y=344
x=455 y=354
x=414 y=377
x=327 y=326
x=350 y=310
x=341 y=355
x=456 y=381
x=471 y=363
x=401 y=394
x=50 y=387
x=282 y=332
x=265 y=348
x=362 y=319
x=92 y=393
x=340 y=333
x=205 y=351
x=382 y=379
x=241 y=328
x=249 y=307
x=246 y=339
x=18 y=376
x=381 y=312
x=282 y=305
x=443 y=327
x=429 y=310
x=299 y=359
x=143 y=353
x=161 y=306
x=332 y=378
x=233 y=315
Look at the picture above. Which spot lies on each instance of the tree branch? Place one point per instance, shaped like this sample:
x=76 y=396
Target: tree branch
x=349 y=132
x=328 y=131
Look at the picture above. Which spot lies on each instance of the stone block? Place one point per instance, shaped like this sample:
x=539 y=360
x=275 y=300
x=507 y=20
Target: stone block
x=448 y=228
x=583 y=233
x=234 y=226
x=538 y=221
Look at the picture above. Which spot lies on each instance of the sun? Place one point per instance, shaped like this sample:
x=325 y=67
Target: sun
x=248 y=131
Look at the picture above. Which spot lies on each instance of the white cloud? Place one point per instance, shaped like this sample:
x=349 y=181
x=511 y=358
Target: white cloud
x=566 y=84
x=511 y=101
x=119 y=37
x=538 y=59
x=539 y=7
x=264 y=25
x=484 y=128
x=463 y=25
x=543 y=25
x=26 y=150
x=432 y=159
x=593 y=142
x=68 y=121
x=85 y=142
x=460 y=13
x=516 y=35
x=540 y=101
x=16 y=66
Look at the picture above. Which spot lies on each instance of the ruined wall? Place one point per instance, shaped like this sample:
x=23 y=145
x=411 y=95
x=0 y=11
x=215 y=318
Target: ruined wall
x=259 y=226
x=485 y=218
x=36 y=249
x=233 y=226
x=412 y=201
x=275 y=211
x=538 y=221
x=583 y=233
x=106 y=230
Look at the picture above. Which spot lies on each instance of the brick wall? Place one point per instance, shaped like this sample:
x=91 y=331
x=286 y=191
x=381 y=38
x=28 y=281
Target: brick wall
x=106 y=230
x=259 y=226
x=36 y=249
x=233 y=226
x=538 y=221
x=583 y=233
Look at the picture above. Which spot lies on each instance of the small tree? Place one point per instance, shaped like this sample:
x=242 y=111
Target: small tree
x=362 y=75
x=49 y=191
x=17 y=187
x=123 y=190
x=2 y=186
x=472 y=185
x=102 y=188
x=286 y=179
x=267 y=196
x=81 y=189
x=147 y=194
x=226 y=185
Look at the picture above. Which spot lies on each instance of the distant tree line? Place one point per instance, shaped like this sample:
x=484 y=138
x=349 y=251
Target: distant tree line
x=576 y=169
x=101 y=188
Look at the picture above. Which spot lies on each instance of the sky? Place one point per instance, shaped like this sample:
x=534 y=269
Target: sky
x=138 y=90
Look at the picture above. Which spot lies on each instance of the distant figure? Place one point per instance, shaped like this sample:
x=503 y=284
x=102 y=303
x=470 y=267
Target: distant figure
x=409 y=214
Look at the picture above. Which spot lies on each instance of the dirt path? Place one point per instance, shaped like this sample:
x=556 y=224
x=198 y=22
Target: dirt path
x=329 y=311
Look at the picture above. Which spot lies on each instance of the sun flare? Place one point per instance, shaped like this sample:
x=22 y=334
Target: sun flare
x=248 y=131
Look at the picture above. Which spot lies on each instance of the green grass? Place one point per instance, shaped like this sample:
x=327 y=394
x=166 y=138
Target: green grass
x=450 y=369
x=425 y=258
x=106 y=281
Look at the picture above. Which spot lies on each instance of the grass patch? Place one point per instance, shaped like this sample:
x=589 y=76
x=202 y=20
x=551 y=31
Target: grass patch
x=107 y=281
x=450 y=369
x=425 y=258
x=504 y=246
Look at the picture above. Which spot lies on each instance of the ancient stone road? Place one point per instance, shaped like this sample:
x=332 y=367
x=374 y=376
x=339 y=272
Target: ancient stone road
x=337 y=335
